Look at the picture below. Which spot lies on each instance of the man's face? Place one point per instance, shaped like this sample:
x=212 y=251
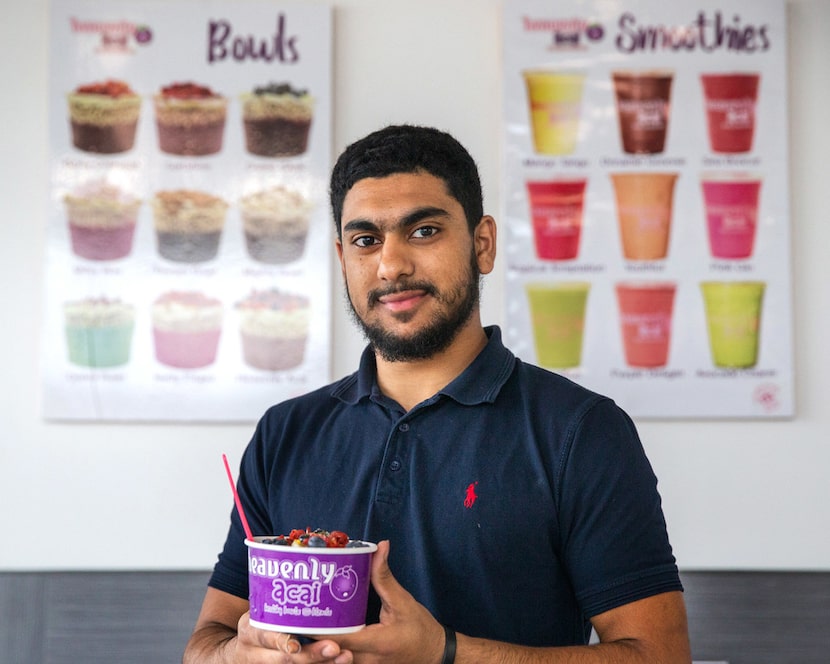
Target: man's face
x=409 y=263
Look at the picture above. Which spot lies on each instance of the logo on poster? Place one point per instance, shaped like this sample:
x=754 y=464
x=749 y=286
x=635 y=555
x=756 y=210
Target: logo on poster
x=114 y=36
x=566 y=33
x=766 y=395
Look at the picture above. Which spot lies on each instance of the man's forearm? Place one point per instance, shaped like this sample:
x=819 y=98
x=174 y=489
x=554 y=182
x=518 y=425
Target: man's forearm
x=652 y=630
x=629 y=651
x=211 y=644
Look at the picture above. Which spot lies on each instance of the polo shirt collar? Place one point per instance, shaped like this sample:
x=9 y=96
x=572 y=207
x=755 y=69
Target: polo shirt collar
x=478 y=383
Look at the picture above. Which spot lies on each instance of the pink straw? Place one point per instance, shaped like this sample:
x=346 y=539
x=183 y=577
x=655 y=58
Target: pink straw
x=237 y=501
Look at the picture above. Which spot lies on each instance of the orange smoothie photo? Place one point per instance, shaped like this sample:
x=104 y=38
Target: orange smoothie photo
x=644 y=212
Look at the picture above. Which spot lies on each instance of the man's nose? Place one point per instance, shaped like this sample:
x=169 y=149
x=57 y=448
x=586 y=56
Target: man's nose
x=395 y=259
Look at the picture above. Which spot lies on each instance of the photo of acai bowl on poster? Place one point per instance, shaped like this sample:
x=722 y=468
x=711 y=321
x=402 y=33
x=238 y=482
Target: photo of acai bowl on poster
x=188 y=262
x=646 y=202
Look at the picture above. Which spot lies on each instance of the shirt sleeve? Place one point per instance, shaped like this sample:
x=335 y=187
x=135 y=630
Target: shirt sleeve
x=615 y=540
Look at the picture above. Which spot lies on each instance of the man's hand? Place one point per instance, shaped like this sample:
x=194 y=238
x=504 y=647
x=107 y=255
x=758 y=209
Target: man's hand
x=224 y=635
x=255 y=645
x=406 y=634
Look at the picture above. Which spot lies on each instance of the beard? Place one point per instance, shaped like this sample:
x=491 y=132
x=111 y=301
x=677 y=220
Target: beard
x=460 y=303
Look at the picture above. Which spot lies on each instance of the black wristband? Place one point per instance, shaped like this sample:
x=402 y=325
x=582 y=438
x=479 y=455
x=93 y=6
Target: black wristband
x=449 y=646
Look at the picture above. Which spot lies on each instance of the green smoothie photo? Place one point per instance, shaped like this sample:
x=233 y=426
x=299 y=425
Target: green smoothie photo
x=733 y=317
x=557 y=312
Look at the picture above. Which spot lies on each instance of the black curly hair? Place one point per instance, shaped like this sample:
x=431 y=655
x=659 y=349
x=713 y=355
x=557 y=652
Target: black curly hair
x=409 y=149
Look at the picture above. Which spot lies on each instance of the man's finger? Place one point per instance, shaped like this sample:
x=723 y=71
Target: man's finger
x=384 y=582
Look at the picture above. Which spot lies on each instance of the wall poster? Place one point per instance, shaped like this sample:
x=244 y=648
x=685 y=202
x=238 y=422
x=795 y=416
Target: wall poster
x=647 y=204
x=188 y=257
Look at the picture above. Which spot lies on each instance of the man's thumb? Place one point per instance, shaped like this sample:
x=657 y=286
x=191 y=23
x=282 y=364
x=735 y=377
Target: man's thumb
x=380 y=561
x=383 y=580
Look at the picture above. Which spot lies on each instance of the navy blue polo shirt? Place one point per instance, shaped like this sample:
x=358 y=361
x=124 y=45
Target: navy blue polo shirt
x=518 y=504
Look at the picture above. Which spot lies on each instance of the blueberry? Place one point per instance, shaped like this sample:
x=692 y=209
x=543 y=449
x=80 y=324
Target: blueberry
x=316 y=541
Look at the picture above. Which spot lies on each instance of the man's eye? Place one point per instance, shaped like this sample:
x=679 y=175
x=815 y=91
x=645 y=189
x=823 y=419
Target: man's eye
x=425 y=231
x=364 y=241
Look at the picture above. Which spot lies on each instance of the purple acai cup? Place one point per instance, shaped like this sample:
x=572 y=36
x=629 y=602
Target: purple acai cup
x=308 y=590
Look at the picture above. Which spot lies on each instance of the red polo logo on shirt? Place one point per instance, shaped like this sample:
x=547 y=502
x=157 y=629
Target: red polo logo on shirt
x=470 y=497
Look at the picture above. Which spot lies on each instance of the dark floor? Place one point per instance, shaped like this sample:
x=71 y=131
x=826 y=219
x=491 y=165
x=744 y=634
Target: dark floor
x=146 y=617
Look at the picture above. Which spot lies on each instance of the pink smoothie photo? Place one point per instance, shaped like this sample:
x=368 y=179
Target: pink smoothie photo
x=556 y=210
x=731 y=202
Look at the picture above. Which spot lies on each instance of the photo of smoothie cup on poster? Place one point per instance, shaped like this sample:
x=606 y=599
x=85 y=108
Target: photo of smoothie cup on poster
x=646 y=203
x=188 y=258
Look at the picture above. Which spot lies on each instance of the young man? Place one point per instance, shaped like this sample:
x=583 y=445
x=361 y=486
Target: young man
x=514 y=509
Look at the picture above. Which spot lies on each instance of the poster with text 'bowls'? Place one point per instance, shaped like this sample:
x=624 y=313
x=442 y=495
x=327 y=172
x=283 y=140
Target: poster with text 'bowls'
x=188 y=257
x=646 y=202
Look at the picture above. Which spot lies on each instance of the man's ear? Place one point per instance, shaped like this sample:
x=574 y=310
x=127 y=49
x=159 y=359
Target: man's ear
x=338 y=245
x=484 y=241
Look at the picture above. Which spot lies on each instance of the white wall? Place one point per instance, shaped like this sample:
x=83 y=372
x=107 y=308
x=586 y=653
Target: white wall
x=745 y=495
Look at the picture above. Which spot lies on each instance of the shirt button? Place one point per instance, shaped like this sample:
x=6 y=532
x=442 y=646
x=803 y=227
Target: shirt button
x=404 y=427
x=395 y=465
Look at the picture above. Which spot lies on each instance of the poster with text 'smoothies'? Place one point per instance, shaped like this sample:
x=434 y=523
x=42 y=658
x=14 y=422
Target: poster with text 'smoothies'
x=646 y=202
x=188 y=248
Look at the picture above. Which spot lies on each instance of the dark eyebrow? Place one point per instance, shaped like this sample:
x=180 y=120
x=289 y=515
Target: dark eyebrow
x=407 y=220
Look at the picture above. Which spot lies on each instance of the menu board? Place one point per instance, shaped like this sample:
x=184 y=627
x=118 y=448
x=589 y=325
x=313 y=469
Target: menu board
x=646 y=202
x=188 y=255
